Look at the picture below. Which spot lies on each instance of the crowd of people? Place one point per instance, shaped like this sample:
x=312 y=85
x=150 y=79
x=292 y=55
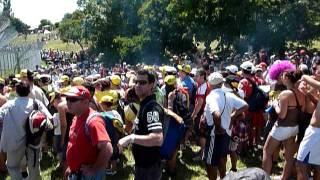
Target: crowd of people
x=93 y=113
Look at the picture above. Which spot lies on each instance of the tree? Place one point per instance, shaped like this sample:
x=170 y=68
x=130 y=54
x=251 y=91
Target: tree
x=44 y=23
x=71 y=28
x=7 y=8
x=142 y=30
x=20 y=26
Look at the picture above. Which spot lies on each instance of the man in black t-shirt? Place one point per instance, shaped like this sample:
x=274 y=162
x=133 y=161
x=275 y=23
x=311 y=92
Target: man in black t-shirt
x=148 y=134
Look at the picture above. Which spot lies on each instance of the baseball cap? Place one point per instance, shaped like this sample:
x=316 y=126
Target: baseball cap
x=185 y=68
x=77 y=81
x=25 y=73
x=247 y=66
x=263 y=64
x=115 y=79
x=215 y=78
x=170 y=79
x=64 y=78
x=2 y=81
x=232 y=68
x=77 y=91
x=170 y=69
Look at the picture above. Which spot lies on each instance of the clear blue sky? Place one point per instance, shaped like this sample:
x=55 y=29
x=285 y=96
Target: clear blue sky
x=32 y=11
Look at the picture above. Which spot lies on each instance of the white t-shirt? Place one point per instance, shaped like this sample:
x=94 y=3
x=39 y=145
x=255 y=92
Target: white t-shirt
x=56 y=124
x=216 y=101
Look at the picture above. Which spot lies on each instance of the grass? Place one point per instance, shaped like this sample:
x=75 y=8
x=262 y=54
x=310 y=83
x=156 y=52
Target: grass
x=186 y=169
x=51 y=44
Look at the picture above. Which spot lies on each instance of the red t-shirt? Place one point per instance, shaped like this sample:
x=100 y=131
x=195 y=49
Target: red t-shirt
x=82 y=149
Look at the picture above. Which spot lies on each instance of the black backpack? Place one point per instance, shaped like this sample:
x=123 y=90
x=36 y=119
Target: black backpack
x=258 y=99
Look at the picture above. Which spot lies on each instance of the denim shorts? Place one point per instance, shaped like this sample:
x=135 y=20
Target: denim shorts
x=100 y=175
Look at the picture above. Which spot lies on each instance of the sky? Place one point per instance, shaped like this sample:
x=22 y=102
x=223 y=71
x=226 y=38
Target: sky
x=32 y=11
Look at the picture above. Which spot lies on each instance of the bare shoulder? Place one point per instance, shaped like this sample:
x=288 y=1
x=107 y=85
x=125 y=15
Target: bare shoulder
x=285 y=93
x=62 y=106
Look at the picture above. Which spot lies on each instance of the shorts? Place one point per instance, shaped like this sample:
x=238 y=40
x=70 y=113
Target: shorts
x=199 y=131
x=257 y=119
x=216 y=147
x=153 y=172
x=283 y=133
x=309 y=150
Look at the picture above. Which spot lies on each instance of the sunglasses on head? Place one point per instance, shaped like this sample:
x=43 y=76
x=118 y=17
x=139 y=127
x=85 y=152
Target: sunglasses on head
x=141 y=82
x=73 y=99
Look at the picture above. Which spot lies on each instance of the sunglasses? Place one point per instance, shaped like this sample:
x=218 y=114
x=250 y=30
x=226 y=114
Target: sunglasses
x=72 y=99
x=141 y=82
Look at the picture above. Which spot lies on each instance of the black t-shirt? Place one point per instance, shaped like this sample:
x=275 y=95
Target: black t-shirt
x=149 y=120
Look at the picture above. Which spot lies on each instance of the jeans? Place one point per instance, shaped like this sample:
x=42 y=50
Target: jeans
x=100 y=175
x=14 y=161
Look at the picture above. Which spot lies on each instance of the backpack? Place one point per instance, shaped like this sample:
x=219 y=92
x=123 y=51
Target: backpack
x=113 y=123
x=258 y=99
x=180 y=94
x=36 y=124
x=173 y=133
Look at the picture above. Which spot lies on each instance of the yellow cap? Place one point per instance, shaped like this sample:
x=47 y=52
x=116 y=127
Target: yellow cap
x=64 y=78
x=37 y=76
x=24 y=73
x=111 y=93
x=77 y=81
x=148 y=67
x=1 y=80
x=170 y=79
x=185 y=68
x=115 y=79
x=17 y=76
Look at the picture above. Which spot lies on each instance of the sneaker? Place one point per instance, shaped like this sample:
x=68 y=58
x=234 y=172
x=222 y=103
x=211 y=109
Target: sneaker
x=110 y=172
x=233 y=170
x=24 y=174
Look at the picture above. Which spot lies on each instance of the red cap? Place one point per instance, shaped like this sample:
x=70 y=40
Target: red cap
x=302 y=51
x=78 y=91
x=263 y=64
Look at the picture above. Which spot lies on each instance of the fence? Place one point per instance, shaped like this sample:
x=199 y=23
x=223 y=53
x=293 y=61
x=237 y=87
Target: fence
x=13 y=59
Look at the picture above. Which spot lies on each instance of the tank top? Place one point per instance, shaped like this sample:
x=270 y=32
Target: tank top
x=292 y=116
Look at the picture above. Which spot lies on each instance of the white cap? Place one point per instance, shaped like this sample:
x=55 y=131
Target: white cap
x=303 y=67
x=248 y=66
x=232 y=68
x=215 y=78
x=170 y=69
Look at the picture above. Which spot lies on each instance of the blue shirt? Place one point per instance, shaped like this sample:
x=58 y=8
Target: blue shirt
x=189 y=83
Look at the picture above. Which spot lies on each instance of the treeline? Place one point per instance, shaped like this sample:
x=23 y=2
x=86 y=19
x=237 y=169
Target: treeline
x=150 y=30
